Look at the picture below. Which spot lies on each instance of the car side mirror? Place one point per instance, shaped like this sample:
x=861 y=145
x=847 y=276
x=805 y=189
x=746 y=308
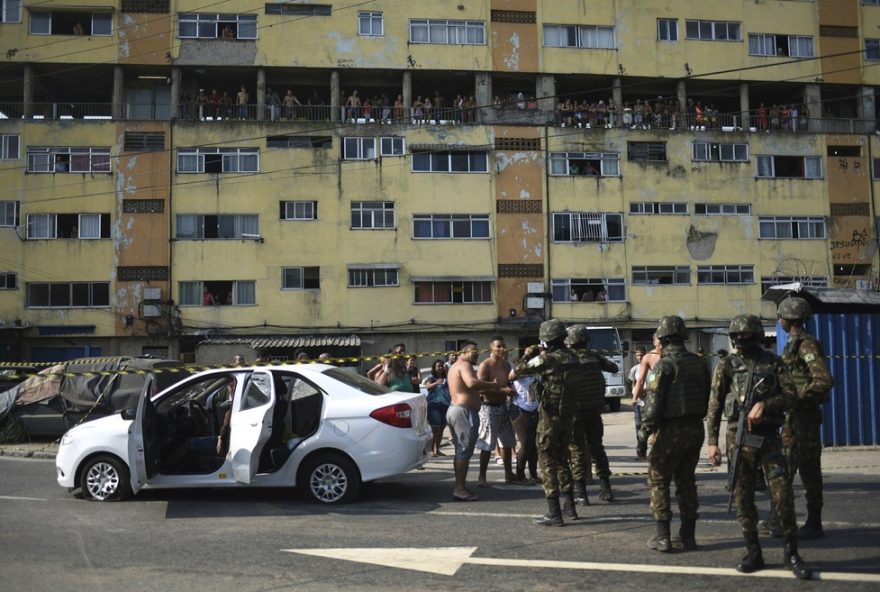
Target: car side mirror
x=129 y=413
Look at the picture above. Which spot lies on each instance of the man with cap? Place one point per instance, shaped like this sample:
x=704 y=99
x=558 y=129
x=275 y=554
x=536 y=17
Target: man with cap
x=676 y=400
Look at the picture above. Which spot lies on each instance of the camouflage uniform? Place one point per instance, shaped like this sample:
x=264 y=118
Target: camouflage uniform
x=777 y=391
x=588 y=430
x=677 y=393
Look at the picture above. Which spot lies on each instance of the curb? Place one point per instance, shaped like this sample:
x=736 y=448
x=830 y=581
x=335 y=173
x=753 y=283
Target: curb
x=19 y=453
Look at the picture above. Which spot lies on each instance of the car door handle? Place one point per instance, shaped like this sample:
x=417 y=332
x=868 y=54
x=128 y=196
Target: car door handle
x=253 y=425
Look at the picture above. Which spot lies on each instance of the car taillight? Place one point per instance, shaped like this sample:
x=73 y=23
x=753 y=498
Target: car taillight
x=398 y=415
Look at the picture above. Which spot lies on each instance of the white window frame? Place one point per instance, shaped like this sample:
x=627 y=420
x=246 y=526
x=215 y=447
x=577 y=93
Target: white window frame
x=209 y=25
x=650 y=275
x=722 y=209
x=587 y=227
x=241 y=224
x=801 y=46
x=792 y=228
x=106 y=16
x=194 y=158
x=8 y=280
x=435 y=158
x=667 y=29
x=392 y=146
x=658 y=207
x=367 y=21
x=763 y=163
x=454 y=222
x=720 y=152
x=377 y=213
x=7 y=7
x=300 y=285
x=768 y=45
x=609 y=163
x=9 y=213
x=447 y=32
x=308 y=210
x=580 y=36
x=615 y=288
x=48 y=230
x=465 y=287
x=234 y=291
x=10 y=147
x=358 y=148
x=83 y=218
x=725 y=275
x=713 y=30
x=374 y=277
x=44 y=159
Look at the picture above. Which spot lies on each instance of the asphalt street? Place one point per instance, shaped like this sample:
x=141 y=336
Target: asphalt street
x=408 y=534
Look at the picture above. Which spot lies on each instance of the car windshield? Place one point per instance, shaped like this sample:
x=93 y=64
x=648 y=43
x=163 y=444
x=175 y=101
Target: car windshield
x=356 y=381
x=605 y=341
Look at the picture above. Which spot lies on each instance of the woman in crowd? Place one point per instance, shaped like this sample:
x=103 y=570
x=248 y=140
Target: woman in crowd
x=438 y=403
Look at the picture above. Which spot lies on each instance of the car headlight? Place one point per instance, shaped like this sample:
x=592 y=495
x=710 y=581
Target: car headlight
x=68 y=438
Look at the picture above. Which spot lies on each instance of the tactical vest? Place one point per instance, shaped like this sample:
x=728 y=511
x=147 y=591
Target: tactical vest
x=587 y=384
x=556 y=398
x=763 y=369
x=800 y=372
x=688 y=394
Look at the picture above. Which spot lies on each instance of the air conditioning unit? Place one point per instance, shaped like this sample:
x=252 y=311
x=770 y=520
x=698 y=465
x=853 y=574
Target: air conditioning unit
x=151 y=311
x=535 y=288
x=152 y=294
x=534 y=303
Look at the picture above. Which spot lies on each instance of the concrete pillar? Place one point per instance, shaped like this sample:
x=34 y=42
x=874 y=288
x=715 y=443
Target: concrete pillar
x=406 y=91
x=335 y=98
x=617 y=99
x=545 y=92
x=118 y=92
x=813 y=105
x=483 y=94
x=175 y=93
x=867 y=110
x=261 y=93
x=28 y=95
x=744 y=106
x=681 y=93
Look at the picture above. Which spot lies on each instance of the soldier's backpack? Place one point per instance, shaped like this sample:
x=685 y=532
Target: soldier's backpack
x=583 y=387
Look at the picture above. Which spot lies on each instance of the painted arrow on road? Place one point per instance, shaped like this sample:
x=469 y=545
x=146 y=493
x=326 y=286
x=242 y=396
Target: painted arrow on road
x=448 y=560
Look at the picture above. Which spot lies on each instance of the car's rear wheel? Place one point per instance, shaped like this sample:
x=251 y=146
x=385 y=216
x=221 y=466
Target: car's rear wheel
x=614 y=405
x=330 y=479
x=105 y=479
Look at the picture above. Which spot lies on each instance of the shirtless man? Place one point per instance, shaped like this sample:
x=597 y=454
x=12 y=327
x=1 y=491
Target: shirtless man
x=495 y=426
x=646 y=364
x=463 y=415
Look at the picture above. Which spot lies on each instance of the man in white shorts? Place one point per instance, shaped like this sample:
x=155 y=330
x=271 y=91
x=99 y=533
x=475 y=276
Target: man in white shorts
x=495 y=426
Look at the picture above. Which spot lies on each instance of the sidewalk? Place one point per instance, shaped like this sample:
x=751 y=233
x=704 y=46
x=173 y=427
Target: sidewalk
x=619 y=443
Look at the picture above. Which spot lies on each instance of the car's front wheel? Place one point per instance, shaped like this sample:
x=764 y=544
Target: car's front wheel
x=105 y=479
x=330 y=479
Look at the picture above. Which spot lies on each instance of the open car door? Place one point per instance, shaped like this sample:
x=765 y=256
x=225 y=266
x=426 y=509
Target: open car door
x=251 y=425
x=142 y=443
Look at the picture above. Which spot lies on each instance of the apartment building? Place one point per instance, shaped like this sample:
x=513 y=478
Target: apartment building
x=598 y=161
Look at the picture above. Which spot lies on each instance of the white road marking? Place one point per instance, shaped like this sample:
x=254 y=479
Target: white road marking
x=21 y=498
x=448 y=560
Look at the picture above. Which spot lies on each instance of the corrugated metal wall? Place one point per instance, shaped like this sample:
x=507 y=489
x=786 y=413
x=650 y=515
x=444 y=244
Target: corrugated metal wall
x=852 y=344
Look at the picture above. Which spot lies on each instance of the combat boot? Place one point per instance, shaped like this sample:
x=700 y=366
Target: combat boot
x=581 y=492
x=794 y=562
x=553 y=517
x=754 y=559
x=569 y=509
x=812 y=528
x=661 y=541
x=605 y=490
x=686 y=533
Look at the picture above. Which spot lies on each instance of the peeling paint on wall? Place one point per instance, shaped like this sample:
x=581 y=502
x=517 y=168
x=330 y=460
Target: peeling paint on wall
x=511 y=60
x=505 y=159
x=701 y=245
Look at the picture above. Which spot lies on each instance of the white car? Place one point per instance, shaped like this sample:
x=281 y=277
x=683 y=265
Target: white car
x=320 y=428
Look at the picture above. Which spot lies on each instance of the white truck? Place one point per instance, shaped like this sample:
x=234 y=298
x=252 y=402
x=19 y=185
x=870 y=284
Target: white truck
x=606 y=341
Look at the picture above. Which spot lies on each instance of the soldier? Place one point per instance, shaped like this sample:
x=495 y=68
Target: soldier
x=804 y=359
x=677 y=396
x=752 y=369
x=587 y=429
x=554 y=417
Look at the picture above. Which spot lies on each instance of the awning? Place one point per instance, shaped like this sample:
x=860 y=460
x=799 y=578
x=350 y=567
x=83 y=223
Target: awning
x=373 y=266
x=830 y=298
x=46 y=330
x=295 y=341
x=452 y=278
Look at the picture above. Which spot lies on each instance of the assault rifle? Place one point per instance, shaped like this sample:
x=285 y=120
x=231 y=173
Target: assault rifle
x=743 y=438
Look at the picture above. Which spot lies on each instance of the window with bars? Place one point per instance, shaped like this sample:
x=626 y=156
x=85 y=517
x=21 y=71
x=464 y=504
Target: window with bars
x=68 y=294
x=589 y=289
x=646 y=151
x=216 y=226
x=722 y=209
x=450 y=162
x=447 y=32
x=790 y=167
x=450 y=226
x=658 y=207
x=373 y=214
x=299 y=210
x=67 y=159
x=216 y=26
x=791 y=227
x=719 y=152
x=725 y=274
x=300 y=278
x=713 y=30
x=453 y=292
x=589 y=164
x=373 y=277
x=582 y=227
x=661 y=275
x=218 y=160
x=581 y=36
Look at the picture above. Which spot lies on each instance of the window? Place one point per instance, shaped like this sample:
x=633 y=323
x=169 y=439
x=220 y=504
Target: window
x=582 y=227
x=68 y=295
x=299 y=142
x=451 y=226
x=359 y=148
x=453 y=292
x=788 y=167
x=583 y=36
x=721 y=152
x=791 y=227
x=447 y=32
x=214 y=26
x=374 y=276
x=370 y=24
x=646 y=151
x=218 y=160
x=299 y=210
x=725 y=274
x=667 y=29
x=722 y=209
x=796 y=46
x=589 y=289
x=392 y=146
x=8 y=280
x=661 y=274
x=590 y=164
x=450 y=162
x=217 y=293
x=844 y=151
x=812 y=281
x=10 y=11
x=9 y=213
x=225 y=226
x=54 y=226
x=144 y=142
x=9 y=147
x=372 y=214
x=658 y=207
x=300 y=278
x=289 y=9
x=872 y=49
x=712 y=30
x=63 y=159
x=69 y=22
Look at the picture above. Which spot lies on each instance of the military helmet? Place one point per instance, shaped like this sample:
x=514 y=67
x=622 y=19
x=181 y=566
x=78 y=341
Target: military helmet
x=551 y=330
x=793 y=309
x=671 y=325
x=746 y=324
x=578 y=335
